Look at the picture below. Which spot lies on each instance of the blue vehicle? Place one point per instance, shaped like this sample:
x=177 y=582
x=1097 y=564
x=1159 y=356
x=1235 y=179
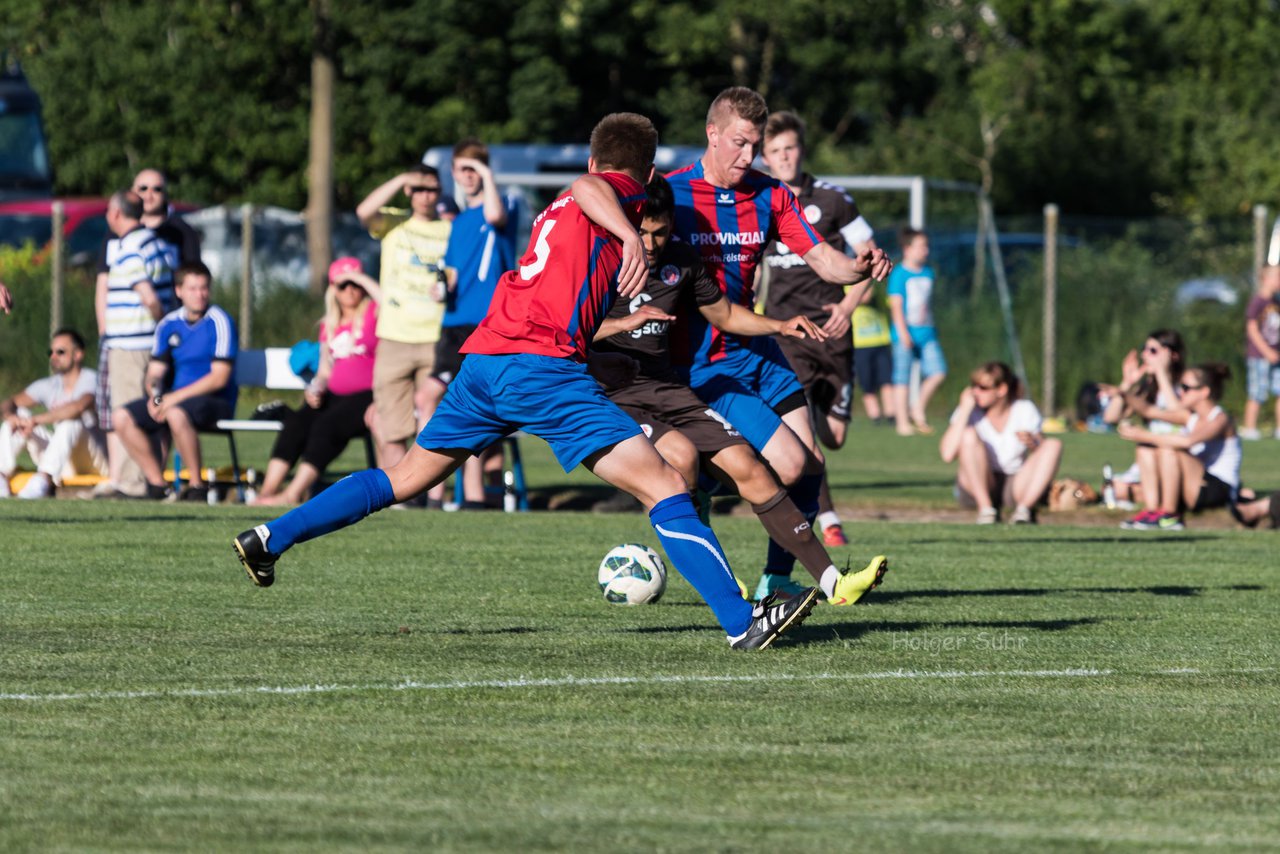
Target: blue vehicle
x=25 y=171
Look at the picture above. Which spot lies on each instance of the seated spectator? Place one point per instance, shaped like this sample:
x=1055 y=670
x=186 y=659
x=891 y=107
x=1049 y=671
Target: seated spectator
x=64 y=439
x=6 y=299
x=339 y=401
x=1250 y=513
x=1148 y=384
x=197 y=344
x=1004 y=459
x=1197 y=468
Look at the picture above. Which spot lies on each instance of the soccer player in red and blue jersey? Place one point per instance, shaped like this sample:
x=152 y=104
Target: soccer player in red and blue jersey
x=729 y=212
x=526 y=369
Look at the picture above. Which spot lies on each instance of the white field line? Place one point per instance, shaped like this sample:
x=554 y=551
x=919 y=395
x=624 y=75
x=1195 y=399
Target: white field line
x=578 y=681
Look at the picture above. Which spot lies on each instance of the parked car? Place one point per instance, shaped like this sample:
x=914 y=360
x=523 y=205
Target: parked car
x=84 y=228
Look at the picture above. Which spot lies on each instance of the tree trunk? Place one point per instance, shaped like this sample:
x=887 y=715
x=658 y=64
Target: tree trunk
x=319 y=216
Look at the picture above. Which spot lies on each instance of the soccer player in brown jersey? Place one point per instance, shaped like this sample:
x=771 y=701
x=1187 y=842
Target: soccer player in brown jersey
x=824 y=367
x=682 y=427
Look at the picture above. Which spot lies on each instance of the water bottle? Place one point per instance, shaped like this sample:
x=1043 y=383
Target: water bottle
x=508 y=492
x=1108 y=487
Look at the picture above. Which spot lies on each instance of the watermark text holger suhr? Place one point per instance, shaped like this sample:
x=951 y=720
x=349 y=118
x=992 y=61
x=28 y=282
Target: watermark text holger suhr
x=937 y=644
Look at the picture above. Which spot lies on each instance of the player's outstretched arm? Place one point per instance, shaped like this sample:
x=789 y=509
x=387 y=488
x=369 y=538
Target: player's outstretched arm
x=738 y=320
x=599 y=204
x=631 y=322
x=840 y=269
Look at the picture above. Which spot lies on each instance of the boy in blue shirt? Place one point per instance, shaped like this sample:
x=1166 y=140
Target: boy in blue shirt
x=195 y=349
x=915 y=337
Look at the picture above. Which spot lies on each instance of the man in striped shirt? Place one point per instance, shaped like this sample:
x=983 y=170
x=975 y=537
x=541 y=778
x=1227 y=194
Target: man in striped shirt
x=136 y=292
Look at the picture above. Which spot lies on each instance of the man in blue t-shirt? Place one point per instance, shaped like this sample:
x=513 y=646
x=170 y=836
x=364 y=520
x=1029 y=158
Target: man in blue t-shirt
x=914 y=335
x=195 y=348
x=482 y=246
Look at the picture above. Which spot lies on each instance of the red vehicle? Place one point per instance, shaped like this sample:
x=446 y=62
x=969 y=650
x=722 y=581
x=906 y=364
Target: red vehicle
x=85 y=228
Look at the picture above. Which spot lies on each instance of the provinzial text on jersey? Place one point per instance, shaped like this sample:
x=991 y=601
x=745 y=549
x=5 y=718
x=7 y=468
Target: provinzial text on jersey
x=735 y=238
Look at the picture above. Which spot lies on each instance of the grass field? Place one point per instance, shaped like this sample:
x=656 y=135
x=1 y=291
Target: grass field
x=454 y=682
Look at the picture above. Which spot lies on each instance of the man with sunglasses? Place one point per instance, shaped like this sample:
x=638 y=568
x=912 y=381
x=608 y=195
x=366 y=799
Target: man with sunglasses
x=64 y=438
x=411 y=277
x=179 y=243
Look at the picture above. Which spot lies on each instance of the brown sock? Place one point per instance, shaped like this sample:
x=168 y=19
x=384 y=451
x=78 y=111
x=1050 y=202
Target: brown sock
x=824 y=497
x=789 y=529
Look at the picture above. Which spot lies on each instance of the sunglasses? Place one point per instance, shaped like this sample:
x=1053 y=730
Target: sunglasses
x=1186 y=387
x=143 y=188
x=59 y=352
x=342 y=286
x=412 y=190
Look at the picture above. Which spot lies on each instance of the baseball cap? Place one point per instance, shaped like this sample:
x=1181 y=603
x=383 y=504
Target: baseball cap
x=343 y=266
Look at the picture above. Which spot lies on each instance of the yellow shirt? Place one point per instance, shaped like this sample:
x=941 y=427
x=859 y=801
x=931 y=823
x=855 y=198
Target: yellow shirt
x=411 y=253
x=870 y=326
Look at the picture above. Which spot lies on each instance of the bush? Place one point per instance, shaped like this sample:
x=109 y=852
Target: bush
x=24 y=334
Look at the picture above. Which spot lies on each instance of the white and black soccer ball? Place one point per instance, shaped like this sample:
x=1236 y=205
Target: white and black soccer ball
x=632 y=574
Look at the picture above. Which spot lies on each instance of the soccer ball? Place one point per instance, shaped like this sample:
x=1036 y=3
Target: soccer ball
x=632 y=574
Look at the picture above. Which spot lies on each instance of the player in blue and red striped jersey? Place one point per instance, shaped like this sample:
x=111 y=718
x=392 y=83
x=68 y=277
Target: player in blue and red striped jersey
x=526 y=370
x=729 y=212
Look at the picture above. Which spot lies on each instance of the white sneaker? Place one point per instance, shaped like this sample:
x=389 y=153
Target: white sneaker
x=1249 y=434
x=1022 y=516
x=5 y=491
x=38 y=487
x=987 y=516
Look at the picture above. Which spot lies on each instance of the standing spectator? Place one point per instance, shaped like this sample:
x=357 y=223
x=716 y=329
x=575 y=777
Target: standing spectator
x=409 y=314
x=824 y=368
x=873 y=356
x=1004 y=458
x=340 y=399
x=1262 y=351
x=136 y=291
x=915 y=337
x=482 y=247
x=62 y=440
x=1197 y=468
x=196 y=346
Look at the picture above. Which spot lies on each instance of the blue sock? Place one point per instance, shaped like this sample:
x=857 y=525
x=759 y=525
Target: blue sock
x=804 y=492
x=345 y=503
x=696 y=553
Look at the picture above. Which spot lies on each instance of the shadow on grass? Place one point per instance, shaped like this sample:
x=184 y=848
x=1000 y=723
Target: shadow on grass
x=853 y=631
x=1165 y=539
x=887 y=596
x=107 y=520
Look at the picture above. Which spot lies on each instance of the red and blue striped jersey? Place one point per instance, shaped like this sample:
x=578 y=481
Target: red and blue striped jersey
x=563 y=286
x=730 y=229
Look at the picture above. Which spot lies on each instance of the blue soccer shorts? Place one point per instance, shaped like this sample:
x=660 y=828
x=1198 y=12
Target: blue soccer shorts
x=746 y=385
x=550 y=397
x=932 y=362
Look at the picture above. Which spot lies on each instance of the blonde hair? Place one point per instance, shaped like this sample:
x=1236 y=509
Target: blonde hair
x=333 y=313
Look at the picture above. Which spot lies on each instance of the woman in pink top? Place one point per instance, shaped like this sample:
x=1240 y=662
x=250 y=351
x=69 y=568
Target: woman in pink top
x=340 y=398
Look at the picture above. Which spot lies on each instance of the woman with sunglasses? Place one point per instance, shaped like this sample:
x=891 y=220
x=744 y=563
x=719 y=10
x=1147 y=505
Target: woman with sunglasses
x=339 y=401
x=1198 y=467
x=1004 y=458
x=1149 y=384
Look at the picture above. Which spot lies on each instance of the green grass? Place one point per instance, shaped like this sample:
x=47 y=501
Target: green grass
x=454 y=682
